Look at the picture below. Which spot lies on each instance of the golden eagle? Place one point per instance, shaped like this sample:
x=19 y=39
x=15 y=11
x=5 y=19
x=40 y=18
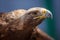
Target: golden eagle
x=22 y=24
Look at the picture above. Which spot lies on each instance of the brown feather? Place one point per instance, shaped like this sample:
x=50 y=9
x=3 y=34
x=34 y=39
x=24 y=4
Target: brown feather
x=19 y=25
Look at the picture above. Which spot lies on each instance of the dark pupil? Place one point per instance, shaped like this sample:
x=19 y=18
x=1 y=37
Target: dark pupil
x=34 y=13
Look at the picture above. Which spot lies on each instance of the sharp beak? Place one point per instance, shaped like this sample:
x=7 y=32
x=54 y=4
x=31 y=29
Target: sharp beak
x=49 y=14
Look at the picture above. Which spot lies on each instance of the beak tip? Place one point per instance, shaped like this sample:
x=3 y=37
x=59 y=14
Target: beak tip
x=49 y=14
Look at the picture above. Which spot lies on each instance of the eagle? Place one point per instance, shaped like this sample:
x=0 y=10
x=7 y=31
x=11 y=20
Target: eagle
x=22 y=24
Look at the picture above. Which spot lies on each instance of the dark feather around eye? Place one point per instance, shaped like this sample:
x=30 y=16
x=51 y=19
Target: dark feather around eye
x=35 y=13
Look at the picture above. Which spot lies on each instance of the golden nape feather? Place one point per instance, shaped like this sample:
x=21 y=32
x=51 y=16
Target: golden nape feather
x=16 y=13
x=22 y=24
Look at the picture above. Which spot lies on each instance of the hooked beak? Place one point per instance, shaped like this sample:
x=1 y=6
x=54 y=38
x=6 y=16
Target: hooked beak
x=48 y=14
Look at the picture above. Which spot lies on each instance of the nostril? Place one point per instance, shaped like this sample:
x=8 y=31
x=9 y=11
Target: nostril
x=48 y=15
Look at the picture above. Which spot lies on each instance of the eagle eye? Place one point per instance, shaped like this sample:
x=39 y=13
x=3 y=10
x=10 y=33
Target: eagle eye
x=34 y=13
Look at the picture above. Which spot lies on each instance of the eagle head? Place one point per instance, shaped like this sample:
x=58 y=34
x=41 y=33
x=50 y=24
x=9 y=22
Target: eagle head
x=37 y=14
x=24 y=18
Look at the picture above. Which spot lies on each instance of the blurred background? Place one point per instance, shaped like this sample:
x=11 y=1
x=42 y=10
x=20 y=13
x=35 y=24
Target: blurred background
x=51 y=27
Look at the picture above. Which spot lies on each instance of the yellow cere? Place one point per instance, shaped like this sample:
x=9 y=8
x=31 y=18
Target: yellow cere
x=44 y=11
x=40 y=17
x=43 y=14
